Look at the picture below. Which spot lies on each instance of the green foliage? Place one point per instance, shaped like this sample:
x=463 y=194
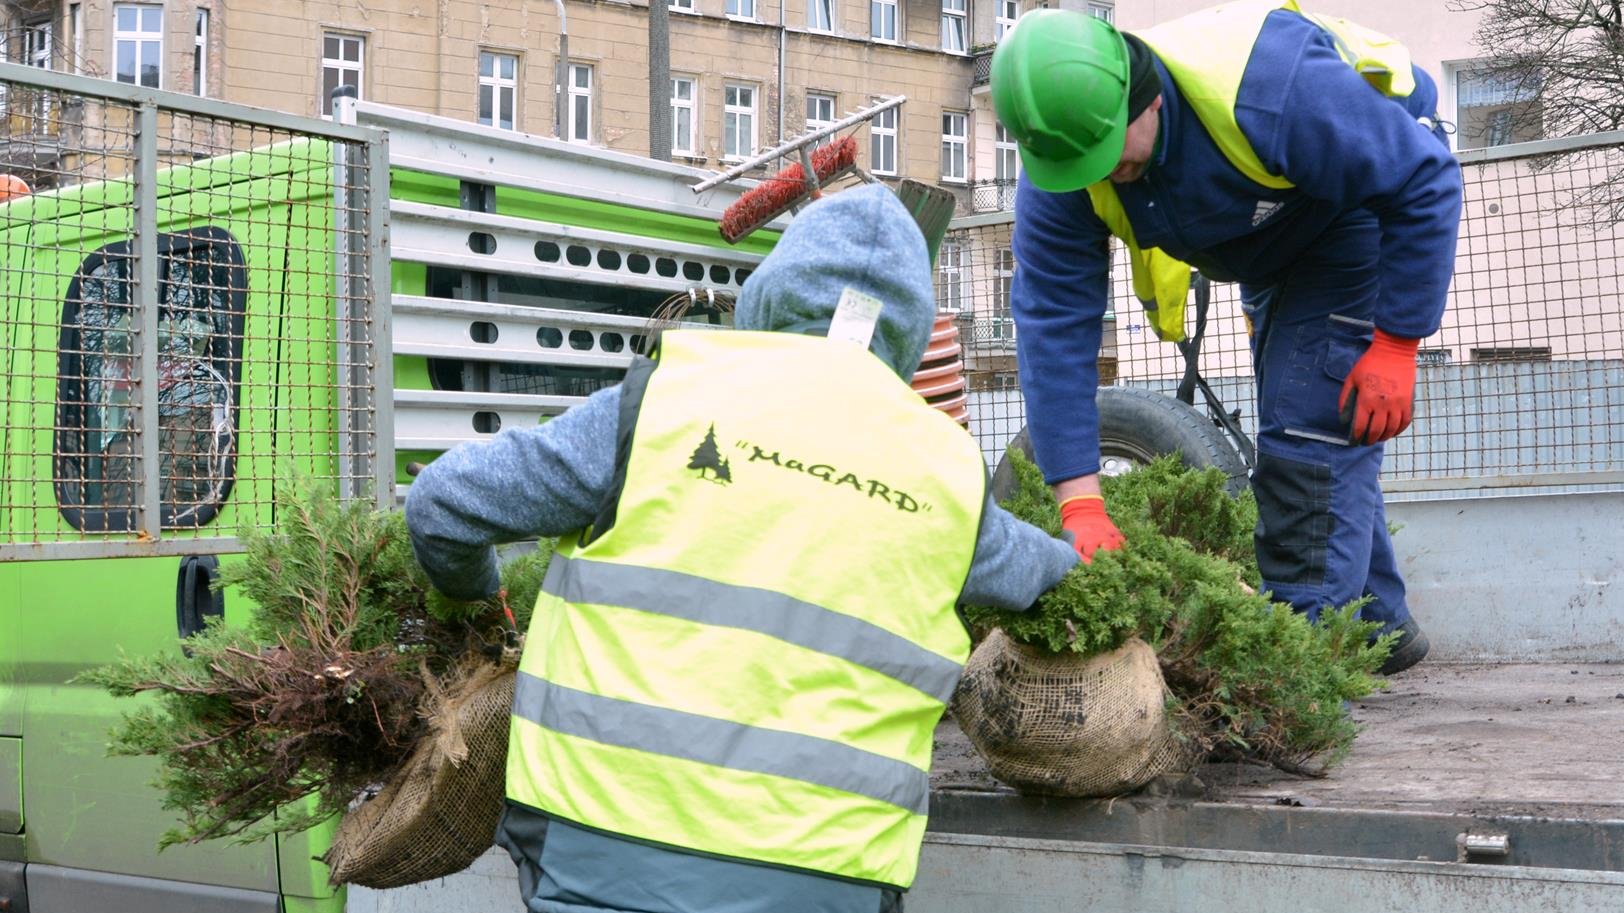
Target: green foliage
x=1248 y=676
x=321 y=694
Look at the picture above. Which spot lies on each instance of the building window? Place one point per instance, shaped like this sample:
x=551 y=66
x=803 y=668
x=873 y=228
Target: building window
x=76 y=34
x=1006 y=155
x=1004 y=276
x=200 y=54
x=952 y=262
x=1106 y=11
x=682 y=6
x=580 y=125
x=1511 y=353
x=498 y=89
x=202 y=290
x=955 y=130
x=882 y=20
x=343 y=58
x=1493 y=109
x=138 y=44
x=820 y=113
x=738 y=121
x=682 y=116
x=1006 y=167
x=820 y=15
x=741 y=9
x=37 y=44
x=1433 y=357
x=1004 y=18
x=882 y=142
x=954 y=26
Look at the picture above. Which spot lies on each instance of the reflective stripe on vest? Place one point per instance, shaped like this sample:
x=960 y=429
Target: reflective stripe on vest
x=1206 y=54
x=676 y=734
x=784 y=617
x=752 y=660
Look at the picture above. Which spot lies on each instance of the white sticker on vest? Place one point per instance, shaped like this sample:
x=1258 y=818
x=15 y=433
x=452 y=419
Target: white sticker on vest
x=855 y=317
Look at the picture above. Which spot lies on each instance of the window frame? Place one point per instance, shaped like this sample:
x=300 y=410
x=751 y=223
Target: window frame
x=689 y=105
x=818 y=123
x=38 y=42
x=878 y=132
x=874 y=8
x=580 y=99
x=68 y=441
x=1098 y=10
x=744 y=10
x=76 y=34
x=831 y=12
x=735 y=110
x=1003 y=273
x=1006 y=152
x=200 y=53
x=952 y=276
x=1456 y=72
x=498 y=86
x=341 y=66
x=956 y=24
x=139 y=38
x=682 y=6
x=961 y=140
x=1002 y=24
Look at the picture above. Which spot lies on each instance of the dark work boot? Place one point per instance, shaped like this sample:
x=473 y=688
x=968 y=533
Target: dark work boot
x=1410 y=648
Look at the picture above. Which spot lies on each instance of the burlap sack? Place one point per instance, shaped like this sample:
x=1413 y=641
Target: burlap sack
x=1068 y=725
x=440 y=811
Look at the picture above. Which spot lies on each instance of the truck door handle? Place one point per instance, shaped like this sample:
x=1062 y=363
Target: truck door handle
x=195 y=598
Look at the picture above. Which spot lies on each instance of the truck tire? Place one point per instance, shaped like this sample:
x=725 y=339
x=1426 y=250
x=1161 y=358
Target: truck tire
x=1137 y=426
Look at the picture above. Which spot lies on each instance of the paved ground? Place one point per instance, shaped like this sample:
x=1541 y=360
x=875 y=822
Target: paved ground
x=1536 y=739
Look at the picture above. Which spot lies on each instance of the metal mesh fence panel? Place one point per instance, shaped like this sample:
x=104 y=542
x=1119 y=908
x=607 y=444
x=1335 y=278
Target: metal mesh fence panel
x=1522 y=386
x=186 y=318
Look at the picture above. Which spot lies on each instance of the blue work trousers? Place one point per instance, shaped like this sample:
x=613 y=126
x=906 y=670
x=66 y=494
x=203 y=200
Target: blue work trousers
x=1322 y=531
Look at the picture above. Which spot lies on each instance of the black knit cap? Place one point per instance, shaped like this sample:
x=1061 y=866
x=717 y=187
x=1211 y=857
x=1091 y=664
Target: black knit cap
x=1144 y=82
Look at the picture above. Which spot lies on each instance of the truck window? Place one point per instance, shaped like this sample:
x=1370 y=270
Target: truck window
x=202 y=292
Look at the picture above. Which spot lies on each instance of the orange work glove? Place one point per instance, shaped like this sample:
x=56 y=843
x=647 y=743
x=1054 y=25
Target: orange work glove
x=1379 y=395
x=1091 y=528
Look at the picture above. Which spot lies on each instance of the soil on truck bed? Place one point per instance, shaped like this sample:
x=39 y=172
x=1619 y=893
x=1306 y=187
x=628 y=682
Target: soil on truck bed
x=1492 y=739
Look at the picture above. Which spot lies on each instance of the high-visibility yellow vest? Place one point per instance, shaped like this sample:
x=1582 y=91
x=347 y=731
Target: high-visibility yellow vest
x=751 y=660
x=1206 y=54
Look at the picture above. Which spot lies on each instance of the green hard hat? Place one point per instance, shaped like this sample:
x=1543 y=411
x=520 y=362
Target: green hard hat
x=1060 y=87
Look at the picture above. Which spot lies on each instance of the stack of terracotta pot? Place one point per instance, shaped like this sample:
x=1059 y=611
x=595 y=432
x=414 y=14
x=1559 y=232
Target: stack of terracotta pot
x=940 y=378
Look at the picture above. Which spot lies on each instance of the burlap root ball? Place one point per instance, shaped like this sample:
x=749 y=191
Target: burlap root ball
x=439 y=812
x=1068 y=725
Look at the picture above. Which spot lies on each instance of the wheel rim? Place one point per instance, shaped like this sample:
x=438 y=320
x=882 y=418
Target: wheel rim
x=1118 y=457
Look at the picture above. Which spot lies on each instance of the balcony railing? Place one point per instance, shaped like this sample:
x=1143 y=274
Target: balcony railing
x=980 y=331
x=996 y=195
x=982 y=58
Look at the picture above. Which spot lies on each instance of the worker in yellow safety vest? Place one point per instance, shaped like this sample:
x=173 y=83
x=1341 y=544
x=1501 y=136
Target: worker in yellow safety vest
x=1298 y=155
x=748 y=632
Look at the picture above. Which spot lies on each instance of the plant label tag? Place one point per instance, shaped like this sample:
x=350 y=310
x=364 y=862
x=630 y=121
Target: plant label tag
x=855 y=317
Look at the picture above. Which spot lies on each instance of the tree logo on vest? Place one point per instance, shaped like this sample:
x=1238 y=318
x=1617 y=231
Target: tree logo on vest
x=707 y=458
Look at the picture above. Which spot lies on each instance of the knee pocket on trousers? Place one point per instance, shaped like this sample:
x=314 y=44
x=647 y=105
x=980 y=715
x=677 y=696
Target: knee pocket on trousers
x=1294 y=520
x=1306 y=404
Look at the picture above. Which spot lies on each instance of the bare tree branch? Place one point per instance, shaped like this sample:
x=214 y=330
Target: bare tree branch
x=1551 y=68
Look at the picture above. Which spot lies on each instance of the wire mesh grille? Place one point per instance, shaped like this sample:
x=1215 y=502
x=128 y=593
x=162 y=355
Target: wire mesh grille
x=186 y=323
x=1523 y=385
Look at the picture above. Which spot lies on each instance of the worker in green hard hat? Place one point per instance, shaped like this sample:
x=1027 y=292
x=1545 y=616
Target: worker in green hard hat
x=1299 y=156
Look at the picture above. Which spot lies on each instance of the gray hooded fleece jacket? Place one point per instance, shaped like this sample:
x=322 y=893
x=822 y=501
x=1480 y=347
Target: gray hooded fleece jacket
x=552 y=479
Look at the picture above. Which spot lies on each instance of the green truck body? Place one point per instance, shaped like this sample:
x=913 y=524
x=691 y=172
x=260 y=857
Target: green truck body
x=252 y=279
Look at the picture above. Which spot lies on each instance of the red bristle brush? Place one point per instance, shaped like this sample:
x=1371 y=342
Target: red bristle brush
x=773 y=196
